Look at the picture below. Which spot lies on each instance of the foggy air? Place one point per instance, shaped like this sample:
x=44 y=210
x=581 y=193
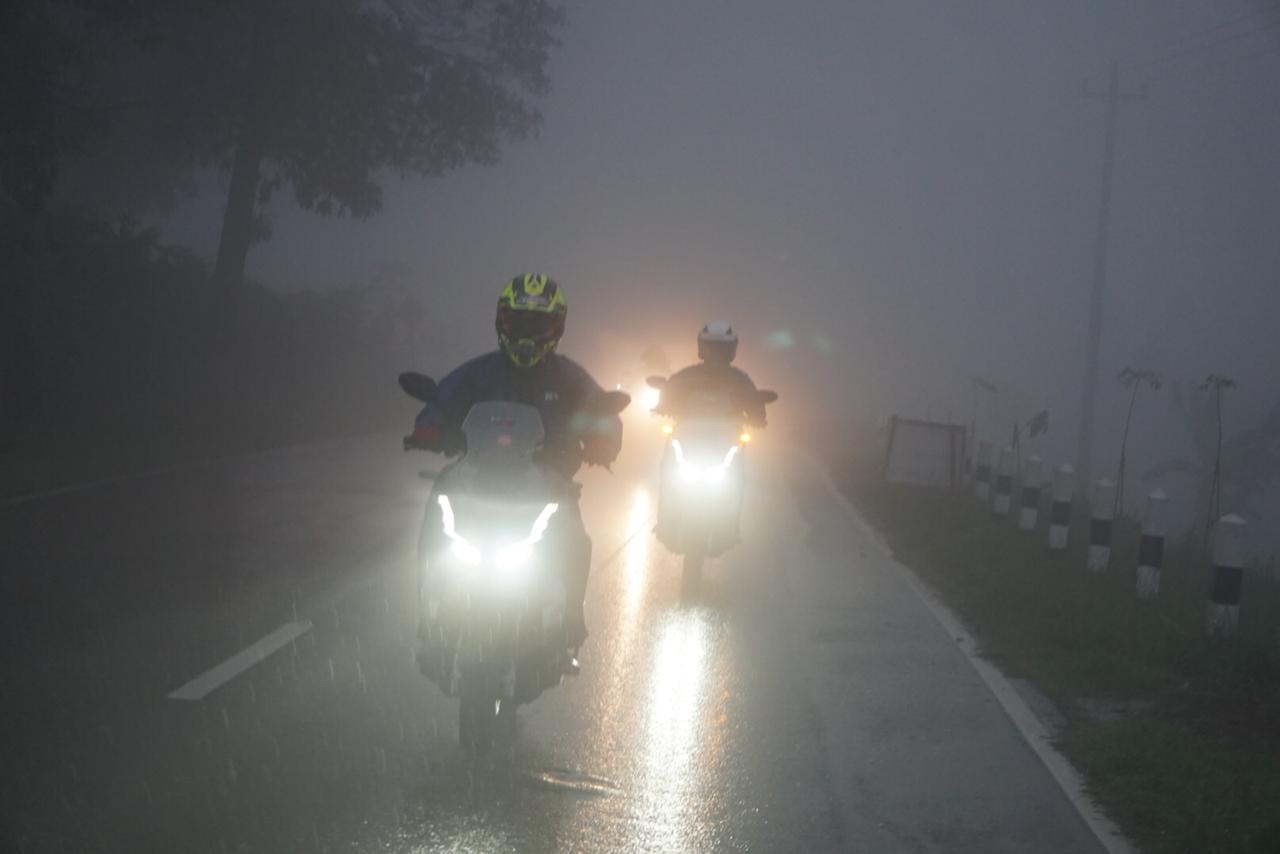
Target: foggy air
x=671 y=426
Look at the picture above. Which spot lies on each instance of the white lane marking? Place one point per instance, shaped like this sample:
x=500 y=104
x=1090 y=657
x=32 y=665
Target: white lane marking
x=199 y=687
x=1033 y=730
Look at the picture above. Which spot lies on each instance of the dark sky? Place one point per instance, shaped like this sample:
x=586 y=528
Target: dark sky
x=909 y=190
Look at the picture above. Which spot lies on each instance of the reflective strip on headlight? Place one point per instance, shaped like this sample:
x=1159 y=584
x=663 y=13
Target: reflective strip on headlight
x=510 y=557
x=708 y=474
x=462 y=550
x=518 y=553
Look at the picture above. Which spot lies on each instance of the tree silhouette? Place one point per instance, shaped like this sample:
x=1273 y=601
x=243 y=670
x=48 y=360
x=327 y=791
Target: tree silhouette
x=326 y=98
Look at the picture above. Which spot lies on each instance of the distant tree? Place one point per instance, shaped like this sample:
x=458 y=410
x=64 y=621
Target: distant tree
x=43 y=114
x=324 y=97
x=327 y=97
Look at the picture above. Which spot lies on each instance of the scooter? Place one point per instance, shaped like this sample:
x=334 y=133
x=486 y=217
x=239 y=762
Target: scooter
x=702 y=482
x=491 y=591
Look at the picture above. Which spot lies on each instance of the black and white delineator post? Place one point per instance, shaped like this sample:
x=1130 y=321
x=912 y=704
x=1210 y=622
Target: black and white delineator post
x=1029 y=514
x=1155 y=524
x=1060 y=513
x=982 y=476
x=1228 y=576
x=1004 y=482
x=1104 y=500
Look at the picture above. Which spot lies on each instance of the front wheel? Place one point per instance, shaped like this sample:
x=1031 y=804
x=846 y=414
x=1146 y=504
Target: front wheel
x=477 y=722
x=691 y=576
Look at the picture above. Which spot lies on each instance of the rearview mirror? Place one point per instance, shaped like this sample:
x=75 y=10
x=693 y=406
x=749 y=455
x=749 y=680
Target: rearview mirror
x=767 y=396
x=419 y=386
x=656 y=382
x=607 y=403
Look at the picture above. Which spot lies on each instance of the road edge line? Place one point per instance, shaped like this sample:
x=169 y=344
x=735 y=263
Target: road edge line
x=1033 y=730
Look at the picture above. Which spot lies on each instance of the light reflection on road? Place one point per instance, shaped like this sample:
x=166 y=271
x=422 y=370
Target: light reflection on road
x=672 y=742
x=657 y=709
x=635 y=557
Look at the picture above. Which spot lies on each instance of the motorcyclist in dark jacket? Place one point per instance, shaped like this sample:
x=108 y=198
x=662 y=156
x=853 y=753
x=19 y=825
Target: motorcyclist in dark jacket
x=712 y=389
x=526 y=369
x=714 y=378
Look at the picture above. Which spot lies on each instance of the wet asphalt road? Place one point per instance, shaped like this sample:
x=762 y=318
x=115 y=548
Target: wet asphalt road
x=807 y=702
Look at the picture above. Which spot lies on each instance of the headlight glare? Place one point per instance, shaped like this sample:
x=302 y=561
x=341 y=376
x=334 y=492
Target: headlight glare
x=518 y=553
x=691 y=473
x=465 y=552
x=462 y=550
x=513 y=556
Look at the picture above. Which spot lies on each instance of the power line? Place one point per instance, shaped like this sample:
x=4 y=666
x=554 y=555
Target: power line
x=1178 y=43
x=1191 y=51
x=1220 y=65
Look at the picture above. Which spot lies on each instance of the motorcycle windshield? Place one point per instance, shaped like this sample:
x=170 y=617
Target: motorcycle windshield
x=502 y=433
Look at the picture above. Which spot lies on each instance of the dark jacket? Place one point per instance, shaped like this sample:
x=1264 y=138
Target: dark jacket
x=722 y=388
x=557 y=387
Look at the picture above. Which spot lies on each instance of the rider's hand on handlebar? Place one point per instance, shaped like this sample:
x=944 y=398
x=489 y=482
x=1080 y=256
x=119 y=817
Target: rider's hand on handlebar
x=599 y=450
x=445 y=441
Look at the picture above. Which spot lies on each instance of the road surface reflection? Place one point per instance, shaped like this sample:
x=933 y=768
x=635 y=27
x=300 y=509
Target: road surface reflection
x=672 y=748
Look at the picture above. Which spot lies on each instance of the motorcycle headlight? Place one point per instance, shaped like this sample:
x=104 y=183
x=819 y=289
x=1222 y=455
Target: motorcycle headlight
x=516 y=555
x=462 y=549
x=693 y=473
x=511 y=557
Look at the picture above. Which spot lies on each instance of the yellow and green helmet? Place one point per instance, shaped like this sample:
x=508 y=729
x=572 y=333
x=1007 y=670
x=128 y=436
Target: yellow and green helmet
x=531 y=312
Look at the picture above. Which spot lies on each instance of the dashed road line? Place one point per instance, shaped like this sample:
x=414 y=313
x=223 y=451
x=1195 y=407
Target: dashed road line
x=209 y=681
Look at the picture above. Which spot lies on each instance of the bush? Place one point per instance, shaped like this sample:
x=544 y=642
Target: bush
x=110 y=361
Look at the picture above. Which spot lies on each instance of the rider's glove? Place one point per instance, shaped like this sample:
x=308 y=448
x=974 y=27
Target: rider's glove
x=599 y=450
x=431 y=437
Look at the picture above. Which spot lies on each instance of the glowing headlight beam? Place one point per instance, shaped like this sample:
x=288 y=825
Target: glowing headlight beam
x=708 y=474
x=462 y=550
x=509 y=557
x=518 y=553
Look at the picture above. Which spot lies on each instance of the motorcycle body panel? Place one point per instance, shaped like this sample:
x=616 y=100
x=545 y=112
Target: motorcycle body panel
x=492 y=593
x=701 y=487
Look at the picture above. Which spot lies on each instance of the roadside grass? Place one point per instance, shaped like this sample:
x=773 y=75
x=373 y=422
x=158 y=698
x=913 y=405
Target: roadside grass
x=1178 y=734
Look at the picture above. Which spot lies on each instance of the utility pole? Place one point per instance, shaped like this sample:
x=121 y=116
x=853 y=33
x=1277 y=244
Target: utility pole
x=1084 y=448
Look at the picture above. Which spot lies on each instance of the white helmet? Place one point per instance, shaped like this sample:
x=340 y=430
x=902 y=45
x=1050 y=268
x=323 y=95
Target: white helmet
x=717 y=342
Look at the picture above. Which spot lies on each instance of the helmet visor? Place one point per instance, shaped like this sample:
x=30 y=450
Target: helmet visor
x=537 y=326
x=717 y=352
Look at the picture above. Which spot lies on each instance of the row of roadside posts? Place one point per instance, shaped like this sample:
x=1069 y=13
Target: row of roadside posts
x=995 y=487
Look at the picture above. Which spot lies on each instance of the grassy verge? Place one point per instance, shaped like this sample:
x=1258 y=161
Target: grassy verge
x=1178 y=735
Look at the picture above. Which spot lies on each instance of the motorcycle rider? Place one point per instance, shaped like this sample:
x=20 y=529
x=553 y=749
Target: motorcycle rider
x=714 y=377
x=713 y=381
x=527 y=369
